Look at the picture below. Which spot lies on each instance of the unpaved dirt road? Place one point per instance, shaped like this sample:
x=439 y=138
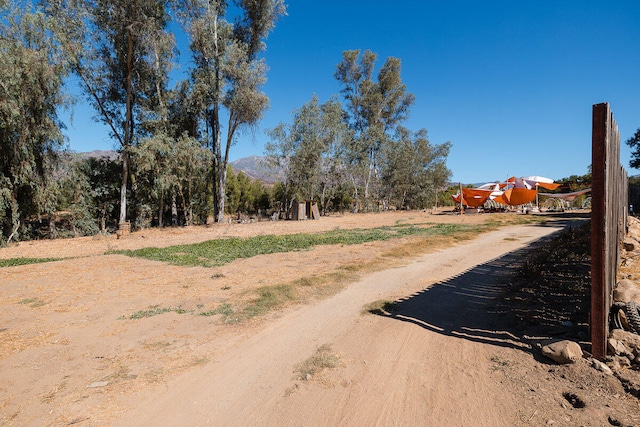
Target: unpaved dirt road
x=430 y=366
x=73 y=353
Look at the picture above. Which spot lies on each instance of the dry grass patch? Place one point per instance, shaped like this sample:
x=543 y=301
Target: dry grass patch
x=154 y=310
x=380 y=307
x=50 y=395
x=33 y=302
x=323 y=359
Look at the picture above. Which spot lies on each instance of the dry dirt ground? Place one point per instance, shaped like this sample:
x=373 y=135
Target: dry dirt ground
x=71 y=353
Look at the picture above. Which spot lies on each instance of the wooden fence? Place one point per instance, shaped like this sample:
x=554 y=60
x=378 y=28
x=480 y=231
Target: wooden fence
x=609 y=204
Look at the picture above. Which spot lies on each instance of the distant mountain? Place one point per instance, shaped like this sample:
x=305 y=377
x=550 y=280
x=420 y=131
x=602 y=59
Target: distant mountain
x=99 y=154
x=255 y=167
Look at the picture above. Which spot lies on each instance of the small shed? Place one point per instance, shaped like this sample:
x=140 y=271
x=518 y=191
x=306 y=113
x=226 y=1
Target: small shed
x=304 y=210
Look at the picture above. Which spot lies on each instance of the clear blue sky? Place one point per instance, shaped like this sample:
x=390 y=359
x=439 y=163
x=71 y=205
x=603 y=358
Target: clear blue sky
x=510 y=84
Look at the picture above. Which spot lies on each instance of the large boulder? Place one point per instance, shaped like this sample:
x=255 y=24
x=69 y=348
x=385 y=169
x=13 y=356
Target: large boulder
x=630 y=340
x=626 y=290
x=617 y=347
x=563 y=352
x=633 y=229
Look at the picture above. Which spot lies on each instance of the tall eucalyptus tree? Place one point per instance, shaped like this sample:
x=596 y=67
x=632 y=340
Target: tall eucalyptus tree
x=31 y=77
x=229 y=72
x=375 y=109
x=119 y=49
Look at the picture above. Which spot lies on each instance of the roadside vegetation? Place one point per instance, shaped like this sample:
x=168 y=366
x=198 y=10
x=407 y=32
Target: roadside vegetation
x=219 y=252
x=172 y=151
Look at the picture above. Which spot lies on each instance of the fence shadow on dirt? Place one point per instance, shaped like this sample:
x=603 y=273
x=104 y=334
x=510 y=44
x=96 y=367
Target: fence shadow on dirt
x=470 y=305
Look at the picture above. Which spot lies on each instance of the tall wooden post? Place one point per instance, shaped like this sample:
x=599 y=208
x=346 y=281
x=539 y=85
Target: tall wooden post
x=609 y=185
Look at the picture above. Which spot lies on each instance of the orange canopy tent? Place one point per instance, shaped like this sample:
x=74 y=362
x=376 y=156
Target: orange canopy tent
x=531 y=182
x=474 y=198
x=517 y=191
x=517 y=196
x=540 y=181
x=548 y=186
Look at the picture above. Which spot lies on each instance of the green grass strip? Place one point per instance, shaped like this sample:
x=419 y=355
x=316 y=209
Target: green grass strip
x=154 y=311
x=215 y=253
x=224 y=309
x=12 y=262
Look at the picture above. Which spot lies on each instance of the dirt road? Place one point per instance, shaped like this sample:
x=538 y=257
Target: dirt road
x=429 y=364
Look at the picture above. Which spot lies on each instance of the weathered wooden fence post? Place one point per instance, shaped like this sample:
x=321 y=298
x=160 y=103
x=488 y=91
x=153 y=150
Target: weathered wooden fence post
x=609 y=194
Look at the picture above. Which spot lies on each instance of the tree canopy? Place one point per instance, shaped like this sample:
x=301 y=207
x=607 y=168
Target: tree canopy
x=228 y=73
x=634 y=143
x=31 y=78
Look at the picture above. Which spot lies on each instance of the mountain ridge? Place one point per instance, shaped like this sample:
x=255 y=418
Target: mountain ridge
x=254 y=167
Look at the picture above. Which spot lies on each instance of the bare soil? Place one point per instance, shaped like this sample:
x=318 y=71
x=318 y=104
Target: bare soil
x=450 y=351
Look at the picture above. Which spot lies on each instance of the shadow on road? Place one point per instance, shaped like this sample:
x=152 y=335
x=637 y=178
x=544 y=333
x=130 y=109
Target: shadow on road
x=470 y=305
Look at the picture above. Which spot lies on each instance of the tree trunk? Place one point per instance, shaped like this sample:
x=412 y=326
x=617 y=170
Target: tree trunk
x=74 y=230
x=356 y=207
x=367 y=184
x=223 y=162
x=190 y=222
x=123 y=187
x=185 y=212
x=53 y=233
x=219 y=173
x=15 y=218
x=174 y=209
x=185 y=209
x=221 y=177
x=160 y=211
x=128 y=132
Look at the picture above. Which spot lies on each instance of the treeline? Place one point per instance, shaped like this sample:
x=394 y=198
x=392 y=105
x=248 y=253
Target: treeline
x=86 y=193
x=174 y=136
